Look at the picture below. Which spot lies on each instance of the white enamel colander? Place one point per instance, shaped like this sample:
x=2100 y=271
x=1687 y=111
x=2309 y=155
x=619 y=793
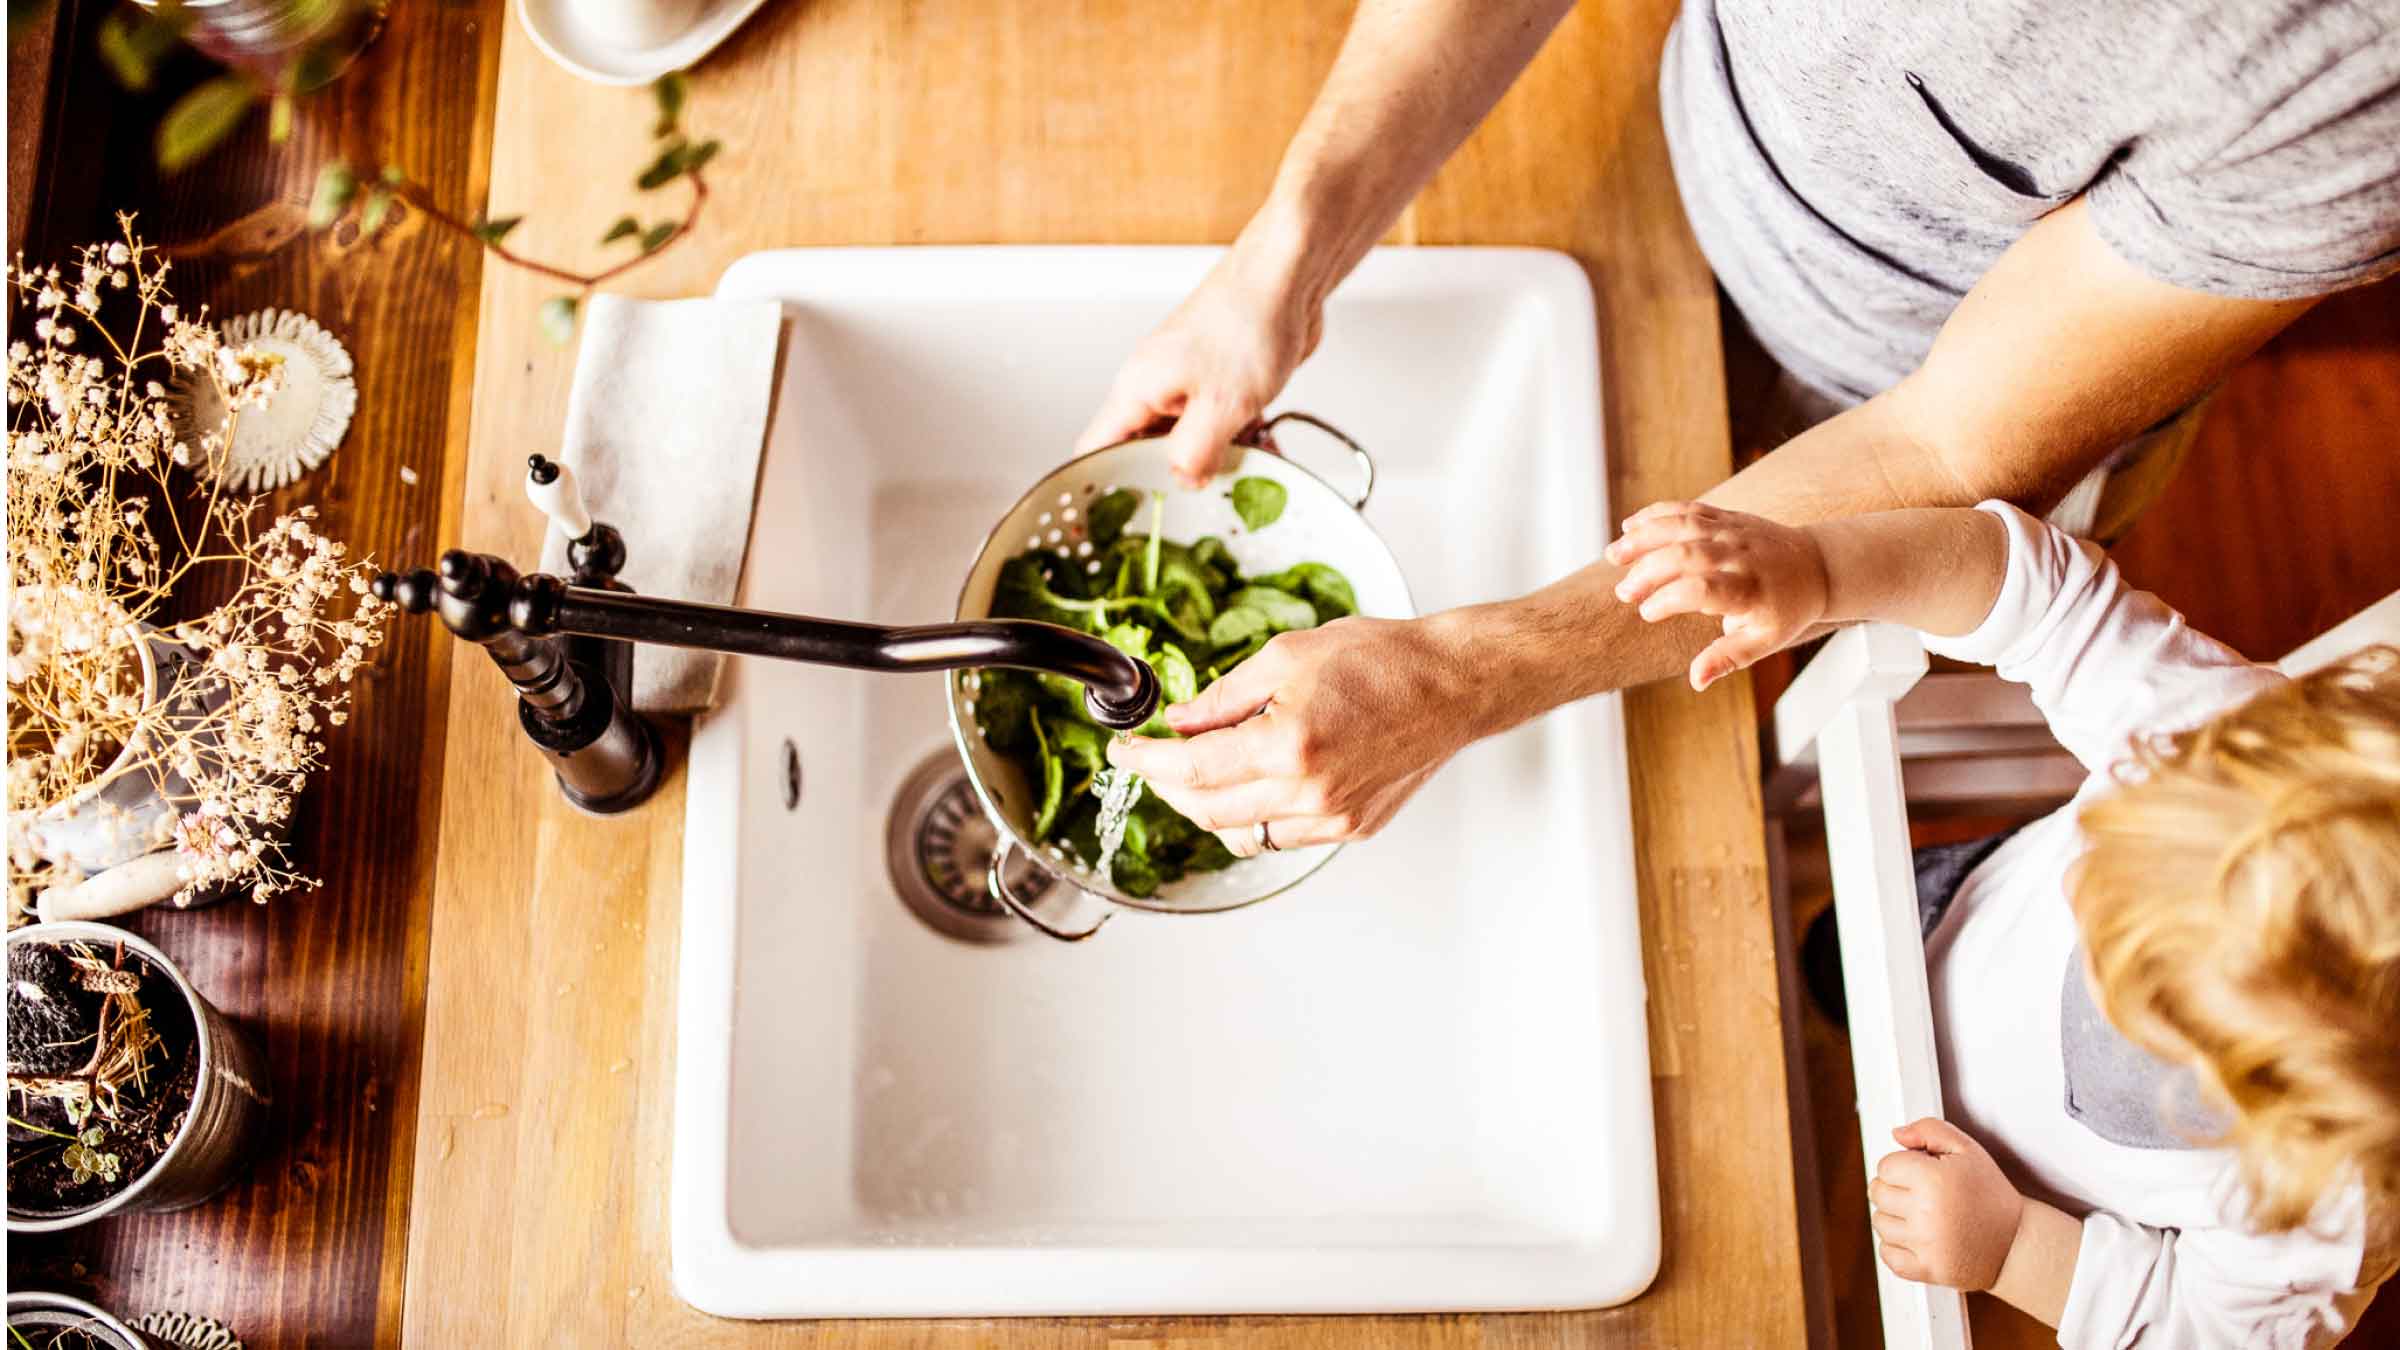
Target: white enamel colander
x=1319 y=524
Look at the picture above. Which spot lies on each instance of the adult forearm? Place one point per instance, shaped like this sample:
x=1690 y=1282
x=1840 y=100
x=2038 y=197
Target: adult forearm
x=1412 y=80
x=1573 y=638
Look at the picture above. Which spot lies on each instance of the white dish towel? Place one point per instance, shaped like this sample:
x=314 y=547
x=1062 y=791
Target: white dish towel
x=665 y=422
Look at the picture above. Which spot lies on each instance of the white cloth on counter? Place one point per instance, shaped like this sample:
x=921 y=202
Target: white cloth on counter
x=2166 y=1258
x=665 y=423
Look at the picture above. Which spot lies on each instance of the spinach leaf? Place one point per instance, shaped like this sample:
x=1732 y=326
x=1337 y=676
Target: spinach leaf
x=1003 y=702
x=1064 y=691
x=1209 y=854
x=1052 y=781
x=1078 y=742
x=1284 y=611
x=1191 y=586
x=1177 y=681
x=1150 y=554
x=1186 y=610
x=1258 y=501
x=1238 y=625
x=1325 y=587
x=1105 y=518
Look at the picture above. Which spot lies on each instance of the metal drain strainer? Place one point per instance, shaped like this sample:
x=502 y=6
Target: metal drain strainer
x=939 y=844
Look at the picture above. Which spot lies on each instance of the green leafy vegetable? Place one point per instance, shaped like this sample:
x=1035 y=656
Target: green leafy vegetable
x=1106 y=518
x=1150 y=555
x=1238 y=625
x=1053 y=780
x=1258 y=501
x=1284 y=611
x=1326 y=588
x=1185 y=609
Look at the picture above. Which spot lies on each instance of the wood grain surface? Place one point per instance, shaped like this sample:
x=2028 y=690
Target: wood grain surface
x=306 y=1249
x=539 y=1214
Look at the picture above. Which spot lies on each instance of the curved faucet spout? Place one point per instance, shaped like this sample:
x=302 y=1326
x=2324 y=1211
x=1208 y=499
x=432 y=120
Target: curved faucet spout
x=1119 y=691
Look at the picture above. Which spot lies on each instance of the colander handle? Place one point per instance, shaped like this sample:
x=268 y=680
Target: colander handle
x=995 y=880
x=1265 y=436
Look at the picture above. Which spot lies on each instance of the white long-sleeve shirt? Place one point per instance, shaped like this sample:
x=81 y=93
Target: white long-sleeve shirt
x=2166 y=1259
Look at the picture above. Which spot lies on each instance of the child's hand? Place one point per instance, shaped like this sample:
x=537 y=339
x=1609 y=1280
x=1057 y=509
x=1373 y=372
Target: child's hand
x=1945 y=1213
x=1765 y=581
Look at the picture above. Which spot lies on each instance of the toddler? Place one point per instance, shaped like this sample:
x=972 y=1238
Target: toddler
x=2168 y=1014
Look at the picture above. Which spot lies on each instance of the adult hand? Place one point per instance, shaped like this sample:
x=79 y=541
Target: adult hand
x=1212 y=366
x=1944 y=1212
x=1323 y=734
x=1764 y=581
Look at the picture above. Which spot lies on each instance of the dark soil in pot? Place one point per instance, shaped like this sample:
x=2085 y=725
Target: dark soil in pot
x=57 y=1031
x=70 y=1337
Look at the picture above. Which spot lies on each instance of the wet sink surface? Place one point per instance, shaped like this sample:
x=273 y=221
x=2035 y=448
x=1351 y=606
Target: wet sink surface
x=1418 y=1082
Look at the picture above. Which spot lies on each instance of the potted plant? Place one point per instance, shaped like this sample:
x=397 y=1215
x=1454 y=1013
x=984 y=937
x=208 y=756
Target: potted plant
x=127 y=1090
x=153 y=754
x=44 y=1321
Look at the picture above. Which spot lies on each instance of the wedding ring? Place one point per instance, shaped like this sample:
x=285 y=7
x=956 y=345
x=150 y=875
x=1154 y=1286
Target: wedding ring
x=1266 y=841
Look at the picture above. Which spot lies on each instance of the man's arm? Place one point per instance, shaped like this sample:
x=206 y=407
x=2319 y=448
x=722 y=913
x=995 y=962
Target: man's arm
x=2061 y=353
x=1411 y=81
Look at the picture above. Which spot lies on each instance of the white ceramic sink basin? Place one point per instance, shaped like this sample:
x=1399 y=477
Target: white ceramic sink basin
x=1418 y=1082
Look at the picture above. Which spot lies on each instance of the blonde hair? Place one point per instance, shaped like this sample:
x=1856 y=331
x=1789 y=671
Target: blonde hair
x=2240 y=903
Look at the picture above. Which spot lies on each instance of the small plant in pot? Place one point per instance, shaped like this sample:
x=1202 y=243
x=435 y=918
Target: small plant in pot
x=45 y=1321
x=127 y=1090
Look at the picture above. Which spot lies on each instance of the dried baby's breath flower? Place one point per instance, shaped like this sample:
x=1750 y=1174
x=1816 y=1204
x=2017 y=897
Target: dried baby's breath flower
x=91 y=465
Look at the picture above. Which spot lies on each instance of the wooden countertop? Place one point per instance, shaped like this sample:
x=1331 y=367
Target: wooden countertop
x=544 y=1115
x=502 y=1179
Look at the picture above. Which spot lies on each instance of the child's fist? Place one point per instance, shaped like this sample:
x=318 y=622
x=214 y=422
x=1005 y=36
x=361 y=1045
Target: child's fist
x=1944 y=1212
x=1765 y=581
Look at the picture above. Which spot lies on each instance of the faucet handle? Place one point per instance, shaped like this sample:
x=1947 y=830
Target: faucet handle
x=594 y=548
x=550 y=486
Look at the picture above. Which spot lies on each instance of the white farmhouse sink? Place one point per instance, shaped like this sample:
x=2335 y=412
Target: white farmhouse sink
x=1418 y=1082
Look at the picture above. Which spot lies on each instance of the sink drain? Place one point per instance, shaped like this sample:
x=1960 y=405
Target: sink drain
x=939 y=844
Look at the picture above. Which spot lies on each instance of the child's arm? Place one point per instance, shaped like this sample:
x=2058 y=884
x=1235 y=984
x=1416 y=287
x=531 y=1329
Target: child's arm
x=1937 y=571
x=1945 y=1214
x=1993 y=585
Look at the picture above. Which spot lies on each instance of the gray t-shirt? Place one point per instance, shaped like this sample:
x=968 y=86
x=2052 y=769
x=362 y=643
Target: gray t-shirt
x=1851 y=168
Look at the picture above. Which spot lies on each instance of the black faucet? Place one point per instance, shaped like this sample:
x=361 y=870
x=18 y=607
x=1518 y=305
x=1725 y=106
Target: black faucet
x=567 y=647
